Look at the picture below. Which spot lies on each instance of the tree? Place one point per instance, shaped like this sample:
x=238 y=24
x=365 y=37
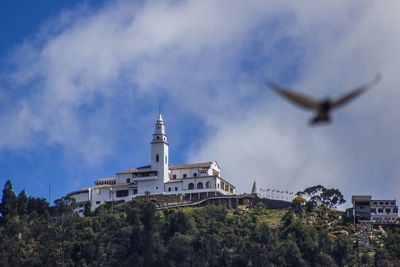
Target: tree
x=332 y=198
x=9 y=201
x=61 y=206
x=299 y=199
x=88 y=209
x=61 y=227
x=180 y=249
x=39 y=206
x=321 y=196
x=297 y=203
x=22 y=204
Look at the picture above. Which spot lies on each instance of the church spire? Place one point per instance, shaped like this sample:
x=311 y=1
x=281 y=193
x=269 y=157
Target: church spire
x=160 y=118
x=159 y=154
x=254 y=189
x=159 y=135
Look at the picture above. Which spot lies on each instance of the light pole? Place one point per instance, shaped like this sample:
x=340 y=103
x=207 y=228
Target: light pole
x=112 y=198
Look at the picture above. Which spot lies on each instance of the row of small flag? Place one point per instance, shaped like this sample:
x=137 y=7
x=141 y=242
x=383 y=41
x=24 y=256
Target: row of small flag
x=277 y=191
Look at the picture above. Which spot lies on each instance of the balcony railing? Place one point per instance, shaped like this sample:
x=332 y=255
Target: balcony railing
x=146 y=178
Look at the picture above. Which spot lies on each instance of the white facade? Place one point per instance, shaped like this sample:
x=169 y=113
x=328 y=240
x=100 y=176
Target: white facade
x=384 y=210
x=159 y=158
x=368 y=209
x=193 y=181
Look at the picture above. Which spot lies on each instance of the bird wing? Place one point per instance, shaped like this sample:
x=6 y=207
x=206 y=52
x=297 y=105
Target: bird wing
x=350 y=96
x=296 y=98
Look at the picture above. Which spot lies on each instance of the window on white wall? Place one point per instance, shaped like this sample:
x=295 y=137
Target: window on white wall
x=157 y=157
x=122 y=193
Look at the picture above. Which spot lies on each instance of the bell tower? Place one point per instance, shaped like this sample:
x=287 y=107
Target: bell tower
x=159 y=154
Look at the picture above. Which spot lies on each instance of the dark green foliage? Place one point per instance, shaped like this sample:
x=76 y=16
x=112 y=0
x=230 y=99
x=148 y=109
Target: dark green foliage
x=9 y=202
x=22 y=204
x=37 y=207
x=60 y=207
x=180 y=249
x=391 y=249
x=87 y=212
x=136 y=234
x=321 y=196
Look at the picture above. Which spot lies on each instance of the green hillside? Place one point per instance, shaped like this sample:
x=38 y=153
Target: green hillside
x=136 y=234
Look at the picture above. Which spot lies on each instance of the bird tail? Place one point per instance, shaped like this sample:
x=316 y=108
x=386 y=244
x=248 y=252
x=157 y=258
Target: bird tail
x=320 y=119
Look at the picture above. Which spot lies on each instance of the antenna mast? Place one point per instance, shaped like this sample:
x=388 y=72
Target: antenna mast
x=50 y=191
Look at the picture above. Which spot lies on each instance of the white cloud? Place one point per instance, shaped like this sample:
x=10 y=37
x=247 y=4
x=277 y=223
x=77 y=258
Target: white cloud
x=123 y=49
x=343 y=46
x=89 y=73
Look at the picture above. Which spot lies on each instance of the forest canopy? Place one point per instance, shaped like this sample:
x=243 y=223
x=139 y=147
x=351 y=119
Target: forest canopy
x=33 y=233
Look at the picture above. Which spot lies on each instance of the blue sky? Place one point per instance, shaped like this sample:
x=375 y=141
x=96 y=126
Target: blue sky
x=81 y=83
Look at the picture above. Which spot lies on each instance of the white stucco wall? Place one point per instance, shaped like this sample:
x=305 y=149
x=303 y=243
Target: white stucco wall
x=122 y=178
x=196 y=180
x=177 y=185
x=80 y=197
x=150 y=186
x=189 y=173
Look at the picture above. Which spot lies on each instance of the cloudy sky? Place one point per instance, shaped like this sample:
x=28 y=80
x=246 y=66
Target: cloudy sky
x=81 y=83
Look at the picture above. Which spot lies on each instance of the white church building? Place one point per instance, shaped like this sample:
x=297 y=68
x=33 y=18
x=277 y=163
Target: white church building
x=191 y=181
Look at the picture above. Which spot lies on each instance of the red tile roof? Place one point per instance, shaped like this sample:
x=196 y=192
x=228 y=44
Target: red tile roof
x=173 y=167
x=129 y=171
x=106 y=179
x=174 y=181
x=192 y=165
x=99 y=186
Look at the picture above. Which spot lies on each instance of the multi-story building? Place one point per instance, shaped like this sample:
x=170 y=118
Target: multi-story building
x=191 y=181
x=367 y=209
x=384 y=210
x=362 y=207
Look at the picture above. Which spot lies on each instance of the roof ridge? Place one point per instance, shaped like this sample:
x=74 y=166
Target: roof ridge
x=183 y=166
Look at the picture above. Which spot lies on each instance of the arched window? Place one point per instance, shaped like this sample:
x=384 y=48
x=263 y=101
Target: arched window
x=191 y=186
x=157 y=158
x=166 y=159
x=208 y=184
x=199 y=185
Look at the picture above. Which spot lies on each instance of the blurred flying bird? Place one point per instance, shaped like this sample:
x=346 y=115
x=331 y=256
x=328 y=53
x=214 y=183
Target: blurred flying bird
x=322 y=108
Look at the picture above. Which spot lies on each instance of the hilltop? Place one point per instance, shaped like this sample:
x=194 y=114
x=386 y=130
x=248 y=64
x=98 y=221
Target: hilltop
x=136 y=234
